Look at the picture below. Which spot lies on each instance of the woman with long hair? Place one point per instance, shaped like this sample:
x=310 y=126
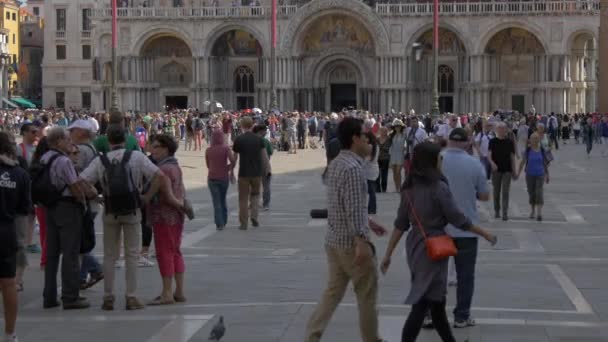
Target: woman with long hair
x=220 y=161
x=397 y=151
x=372 y=170
x=384 y=157
x=427 y=204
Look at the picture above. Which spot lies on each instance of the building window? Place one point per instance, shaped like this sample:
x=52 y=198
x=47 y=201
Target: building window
x=61 y=52
x=14 y=38
x=14 y=17
x=60 y=99
x=37 y=11
x=86 y=99
x=243 y=80
x=14 y=59
x=8 y=15
x=86 y=52
x=61 y=19
x=86 y=19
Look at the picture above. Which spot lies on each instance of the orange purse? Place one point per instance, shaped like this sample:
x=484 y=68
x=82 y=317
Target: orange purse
x=438 y=247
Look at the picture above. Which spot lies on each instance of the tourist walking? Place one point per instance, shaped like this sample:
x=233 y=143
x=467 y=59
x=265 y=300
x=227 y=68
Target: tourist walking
x=249 y=148
x=350 y=254
x=501 y=152
x=168 y=223
x=604 y=134
x=467 y=180
x=262 y=131
x=14 y=200
x=588 y=136
x=534 y=160
x=372 y=171
x=427 y=205
x=220 y=161
x=384 y=158
x=397 y=151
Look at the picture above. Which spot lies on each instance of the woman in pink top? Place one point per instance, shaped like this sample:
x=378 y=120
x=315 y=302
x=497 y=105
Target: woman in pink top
x=220 y=162
x=168 y=223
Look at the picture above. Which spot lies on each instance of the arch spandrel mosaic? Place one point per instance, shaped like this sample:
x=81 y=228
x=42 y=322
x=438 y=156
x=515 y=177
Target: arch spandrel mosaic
x=236 y=43
x=166 y=47
x=514 y=41
x=337 y=31
x=449 y=43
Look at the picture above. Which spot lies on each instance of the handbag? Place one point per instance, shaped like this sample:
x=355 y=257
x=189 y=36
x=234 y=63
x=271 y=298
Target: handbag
x=87 y=239
x=437 y=247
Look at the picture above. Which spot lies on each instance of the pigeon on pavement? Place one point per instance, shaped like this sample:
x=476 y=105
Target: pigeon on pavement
x=218 y=330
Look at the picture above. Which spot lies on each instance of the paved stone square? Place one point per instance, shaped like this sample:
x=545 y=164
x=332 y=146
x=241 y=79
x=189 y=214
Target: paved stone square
x=543 y=282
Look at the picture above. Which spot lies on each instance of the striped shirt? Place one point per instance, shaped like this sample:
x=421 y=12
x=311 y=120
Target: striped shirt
x=346 y=200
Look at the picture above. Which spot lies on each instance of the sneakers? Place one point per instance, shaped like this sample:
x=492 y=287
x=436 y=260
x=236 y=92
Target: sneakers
x=464 y=323
x=120 y=263
x=76 y=305
x=33 y=249
x=243 y=226
x=255 y=223
x=505 y=217
x=94 y=279
x=145 y=262
x=219 y=228
x=134 y=304
x=266 y=208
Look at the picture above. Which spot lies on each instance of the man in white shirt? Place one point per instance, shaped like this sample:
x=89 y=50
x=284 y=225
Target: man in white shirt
x=444 y=131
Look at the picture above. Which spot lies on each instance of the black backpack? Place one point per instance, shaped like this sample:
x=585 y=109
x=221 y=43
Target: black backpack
x=120 y=194
x=43 y=191
x=198 y=124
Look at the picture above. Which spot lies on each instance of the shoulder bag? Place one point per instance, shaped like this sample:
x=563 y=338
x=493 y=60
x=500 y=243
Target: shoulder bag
x=438 y=247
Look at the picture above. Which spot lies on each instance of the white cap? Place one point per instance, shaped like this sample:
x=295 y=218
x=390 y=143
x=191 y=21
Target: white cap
x=82 y=124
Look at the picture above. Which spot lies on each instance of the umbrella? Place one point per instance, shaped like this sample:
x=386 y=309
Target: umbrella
x=257 y=110
x=206 y=103
x=219 y=105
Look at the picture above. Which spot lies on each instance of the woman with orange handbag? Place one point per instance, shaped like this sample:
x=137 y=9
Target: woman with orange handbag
x=428 y=205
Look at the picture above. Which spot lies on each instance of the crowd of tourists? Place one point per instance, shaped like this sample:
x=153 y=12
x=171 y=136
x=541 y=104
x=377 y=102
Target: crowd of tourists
x=69 y=167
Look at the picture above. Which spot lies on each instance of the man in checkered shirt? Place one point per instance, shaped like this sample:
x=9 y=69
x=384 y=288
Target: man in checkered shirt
x=349 y=253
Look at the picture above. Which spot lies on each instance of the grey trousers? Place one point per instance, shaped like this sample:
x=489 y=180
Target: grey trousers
x=64 y=230
x=266 y=191
x=501 y=181
x=535 y=189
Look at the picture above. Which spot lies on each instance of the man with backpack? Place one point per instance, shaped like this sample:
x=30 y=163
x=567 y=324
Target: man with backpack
x=121 y=173
x=55 y=185
x=81 y=132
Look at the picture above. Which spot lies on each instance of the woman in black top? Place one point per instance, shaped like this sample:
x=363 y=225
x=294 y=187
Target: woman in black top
x=384 y=157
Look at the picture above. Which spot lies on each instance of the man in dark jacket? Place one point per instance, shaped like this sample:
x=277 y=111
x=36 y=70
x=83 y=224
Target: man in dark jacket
x=14 y=200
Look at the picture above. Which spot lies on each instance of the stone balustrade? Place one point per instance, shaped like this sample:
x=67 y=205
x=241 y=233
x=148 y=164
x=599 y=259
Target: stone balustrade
x=392 y=8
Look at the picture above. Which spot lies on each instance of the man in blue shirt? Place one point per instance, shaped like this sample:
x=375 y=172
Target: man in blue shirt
x=467 y=179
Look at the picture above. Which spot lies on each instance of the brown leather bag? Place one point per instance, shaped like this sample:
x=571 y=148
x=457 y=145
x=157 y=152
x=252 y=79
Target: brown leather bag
x=438 y=247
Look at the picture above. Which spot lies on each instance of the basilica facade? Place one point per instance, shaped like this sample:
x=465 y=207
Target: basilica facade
x=332 y=54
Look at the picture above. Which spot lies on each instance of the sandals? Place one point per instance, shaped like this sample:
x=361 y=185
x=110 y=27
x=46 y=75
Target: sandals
x=161 y=301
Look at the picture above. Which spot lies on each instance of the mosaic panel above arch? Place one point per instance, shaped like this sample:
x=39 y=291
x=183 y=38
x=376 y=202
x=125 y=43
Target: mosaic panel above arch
x=236 y=43
x=166 y=46
x=449 y=43
x=336 y=30
x=514 y=41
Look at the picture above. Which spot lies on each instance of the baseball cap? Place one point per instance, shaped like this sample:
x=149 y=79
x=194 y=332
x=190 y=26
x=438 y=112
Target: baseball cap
x=459 y=134
x=82 y=124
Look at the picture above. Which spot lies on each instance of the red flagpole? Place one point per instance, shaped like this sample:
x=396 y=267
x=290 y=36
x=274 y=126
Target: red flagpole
x=114 y=16
x=273 y=29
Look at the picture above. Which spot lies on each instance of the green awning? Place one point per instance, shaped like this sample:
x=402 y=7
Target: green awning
x=23 y=102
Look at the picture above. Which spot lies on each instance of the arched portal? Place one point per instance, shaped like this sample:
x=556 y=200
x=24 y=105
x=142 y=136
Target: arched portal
x=171 y=60
x=339 y=81
x=336 y=31
x=235 y=59
x=514 y=55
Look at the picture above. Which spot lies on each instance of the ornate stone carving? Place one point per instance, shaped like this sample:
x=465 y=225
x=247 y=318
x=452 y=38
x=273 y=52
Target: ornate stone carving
x=514 y=41
x=124 y=36
x=355 y=9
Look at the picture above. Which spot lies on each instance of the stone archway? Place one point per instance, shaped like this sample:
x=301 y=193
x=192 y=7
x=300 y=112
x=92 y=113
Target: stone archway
x=339 y=81
x=169 y=58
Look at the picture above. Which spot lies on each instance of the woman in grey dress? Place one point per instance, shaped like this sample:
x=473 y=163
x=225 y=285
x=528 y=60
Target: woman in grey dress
x=434 y=205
